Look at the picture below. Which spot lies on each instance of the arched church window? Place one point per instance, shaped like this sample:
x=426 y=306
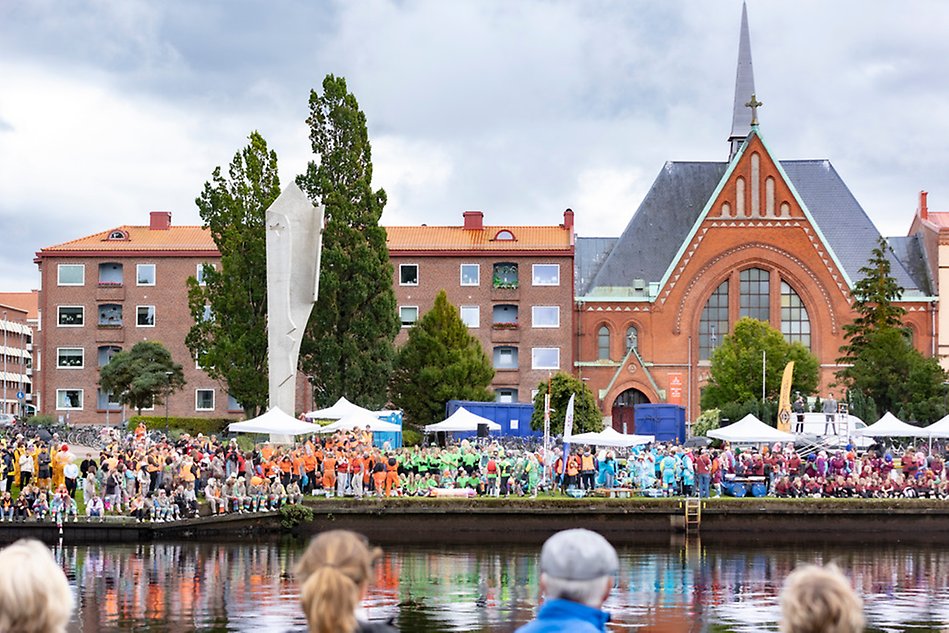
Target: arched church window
x=632 y=338
x=603 y=343
x=754 y=297
x=714 y=322
x=795 y=324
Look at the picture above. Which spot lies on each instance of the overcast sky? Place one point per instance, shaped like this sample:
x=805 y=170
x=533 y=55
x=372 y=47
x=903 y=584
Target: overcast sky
x=109 y=110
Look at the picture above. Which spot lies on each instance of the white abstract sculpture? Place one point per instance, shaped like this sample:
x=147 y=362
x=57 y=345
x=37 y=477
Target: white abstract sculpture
x=294 y=242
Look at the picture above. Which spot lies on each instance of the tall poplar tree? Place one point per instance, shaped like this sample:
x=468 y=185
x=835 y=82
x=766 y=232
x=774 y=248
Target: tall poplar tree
x=229 y=335
x=441 y=361
x=348 y=348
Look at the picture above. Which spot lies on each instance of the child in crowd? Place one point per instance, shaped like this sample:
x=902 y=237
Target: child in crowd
x=95 y=508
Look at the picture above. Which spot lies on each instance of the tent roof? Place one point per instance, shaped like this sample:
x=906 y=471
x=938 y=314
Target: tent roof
x=751 y=430
x=462 y=420
x=338 y=411
x=274 y=422
x=361 y=421
x=610 y=437
x=891 y=426
x=940 y=428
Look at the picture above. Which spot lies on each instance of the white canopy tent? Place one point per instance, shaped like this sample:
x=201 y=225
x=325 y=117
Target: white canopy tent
x=610 y=437
x=891 y=426
x=939 y=429
x=338 y=411
x=275 y=423
x=361 y=421
x=750 y=430
x=462 y=420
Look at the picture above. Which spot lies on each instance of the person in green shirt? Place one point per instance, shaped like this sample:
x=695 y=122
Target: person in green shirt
x=411 y=485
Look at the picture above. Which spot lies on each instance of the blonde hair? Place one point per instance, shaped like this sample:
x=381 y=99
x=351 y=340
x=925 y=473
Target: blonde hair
x=332 y=572
x=34 y=594
x=820 y=600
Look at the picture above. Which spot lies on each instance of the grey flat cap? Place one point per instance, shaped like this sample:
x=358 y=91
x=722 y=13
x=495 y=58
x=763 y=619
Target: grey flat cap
x=578 y=555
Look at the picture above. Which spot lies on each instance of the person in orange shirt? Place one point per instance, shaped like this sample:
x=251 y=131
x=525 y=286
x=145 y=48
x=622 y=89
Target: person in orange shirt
x=356 y=468
x=309 y=468
x=329 y=473
x=392 y=476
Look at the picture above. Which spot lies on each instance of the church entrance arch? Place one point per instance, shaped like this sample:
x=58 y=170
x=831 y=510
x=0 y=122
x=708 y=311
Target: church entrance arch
x=623 y=413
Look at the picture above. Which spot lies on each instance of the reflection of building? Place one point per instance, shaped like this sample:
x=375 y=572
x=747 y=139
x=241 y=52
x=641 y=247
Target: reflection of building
x=779 y=241
x=16 y=362
x=513 y=286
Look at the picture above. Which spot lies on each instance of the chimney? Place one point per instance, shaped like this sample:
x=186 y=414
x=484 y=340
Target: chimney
x=474 y=220
x=160 y=220
x=923 y=206
x=568 y=219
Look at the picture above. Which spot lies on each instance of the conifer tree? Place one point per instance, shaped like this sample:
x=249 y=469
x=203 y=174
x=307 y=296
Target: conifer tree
x=229 y=335
x=441 y=361
x=348 y=348
x=586 y=415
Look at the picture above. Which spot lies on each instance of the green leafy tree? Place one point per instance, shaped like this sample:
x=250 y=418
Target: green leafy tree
x=229 y=335
x=142 y=376
x=736 y=366
x=441 y=361
x=874 y=300
x=862 y=406
x=348 y=348
x=896 y=377
x=586 y=415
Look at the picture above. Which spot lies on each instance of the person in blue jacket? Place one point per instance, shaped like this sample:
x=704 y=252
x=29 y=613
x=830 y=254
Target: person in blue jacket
x=577 y=571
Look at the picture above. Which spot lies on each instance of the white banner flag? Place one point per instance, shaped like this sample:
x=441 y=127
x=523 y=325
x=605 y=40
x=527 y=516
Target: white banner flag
x=568 y=419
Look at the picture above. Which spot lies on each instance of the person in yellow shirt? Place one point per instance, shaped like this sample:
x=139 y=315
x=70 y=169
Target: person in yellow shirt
x=60 y=459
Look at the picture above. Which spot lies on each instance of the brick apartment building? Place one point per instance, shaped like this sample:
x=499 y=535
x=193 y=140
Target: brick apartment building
x=16 y=353
x=513 y=286
x=103 y=293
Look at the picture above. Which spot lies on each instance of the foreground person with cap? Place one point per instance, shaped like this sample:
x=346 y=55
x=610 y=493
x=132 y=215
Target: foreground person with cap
x=577 y=572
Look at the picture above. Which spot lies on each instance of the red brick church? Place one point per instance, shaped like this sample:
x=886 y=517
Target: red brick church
x=777 y=240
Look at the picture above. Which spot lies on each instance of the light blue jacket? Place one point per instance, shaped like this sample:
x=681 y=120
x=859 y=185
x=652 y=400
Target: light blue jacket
x=556 y=616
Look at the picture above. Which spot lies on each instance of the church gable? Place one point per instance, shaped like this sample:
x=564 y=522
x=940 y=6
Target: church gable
x=755 y=189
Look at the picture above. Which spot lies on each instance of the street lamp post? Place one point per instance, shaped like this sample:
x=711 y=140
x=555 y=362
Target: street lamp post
x=167 y=392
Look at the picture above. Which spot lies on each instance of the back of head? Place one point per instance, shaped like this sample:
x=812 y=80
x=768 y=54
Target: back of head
x=820 y=600
x=34 y=593
x=332 y=572
x=578 y=565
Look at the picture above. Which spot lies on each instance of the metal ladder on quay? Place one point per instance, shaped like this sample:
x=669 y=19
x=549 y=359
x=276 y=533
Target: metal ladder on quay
x=693 y=514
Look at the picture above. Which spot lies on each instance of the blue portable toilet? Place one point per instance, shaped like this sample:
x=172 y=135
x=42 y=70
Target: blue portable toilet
x=664 y=421
x=514 y=417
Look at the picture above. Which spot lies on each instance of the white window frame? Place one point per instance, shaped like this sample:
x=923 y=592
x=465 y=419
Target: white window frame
x=477 y=314
x=138 y=274
x=199 y=272
x=402 y=321
x=82 y=358
x=82 y=311
x=196 y=407
x=534 y=319
x=82 y=400
x=461 y=275
x=59 y=274
x=154 y=315
x=534 y=268
x=534 y=363
x=417 y=276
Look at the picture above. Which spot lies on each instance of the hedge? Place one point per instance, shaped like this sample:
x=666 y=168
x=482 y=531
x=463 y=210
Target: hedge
x=192 y=426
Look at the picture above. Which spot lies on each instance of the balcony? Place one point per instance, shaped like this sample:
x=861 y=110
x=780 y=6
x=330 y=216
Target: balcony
x=505 y=332
x=110 y=334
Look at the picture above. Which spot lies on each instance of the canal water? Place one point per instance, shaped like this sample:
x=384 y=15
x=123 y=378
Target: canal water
x=680 y=587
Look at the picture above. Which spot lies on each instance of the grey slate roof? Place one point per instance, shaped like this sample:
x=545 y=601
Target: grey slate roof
x=673 y=204
x=589 y=255
x=911 y=253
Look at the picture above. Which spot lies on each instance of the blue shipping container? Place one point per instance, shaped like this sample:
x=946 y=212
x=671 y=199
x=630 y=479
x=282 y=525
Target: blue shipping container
x=514 y=417
x=665 y=421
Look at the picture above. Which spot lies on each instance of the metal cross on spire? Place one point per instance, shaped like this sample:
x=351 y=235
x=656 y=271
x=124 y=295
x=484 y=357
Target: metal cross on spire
x=754 y=104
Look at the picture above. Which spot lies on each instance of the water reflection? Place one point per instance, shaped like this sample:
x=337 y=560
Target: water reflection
x=249 y=587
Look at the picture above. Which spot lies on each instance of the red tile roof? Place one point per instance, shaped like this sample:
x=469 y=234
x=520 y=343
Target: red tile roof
x=141 y=238
x=453 y=238
x=939 y=218
x=26 y=301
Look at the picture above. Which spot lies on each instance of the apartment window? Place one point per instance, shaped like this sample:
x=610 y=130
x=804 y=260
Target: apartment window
x=106 y=352
x=145 y=316
x=204 y=399
x=505 y=275
x=69 y=357
x=471 y=315
x=110 y=274
x=107 y=402
x=408 y=315
x=69 y=399
x=408 y=274
x=233 y=404
x=504 y=316
x=145 y=274
x=470 y=274
x=546 y=274
x=71 y=274
x=505 y=395
x=545 y=316
x=199 y=273
x=70 y=316
x=207 y=315
x=545 y=358
x=110 y=314
x=505 y=357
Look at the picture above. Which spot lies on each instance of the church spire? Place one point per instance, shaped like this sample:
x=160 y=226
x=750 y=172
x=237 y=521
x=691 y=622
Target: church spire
x=744 y=88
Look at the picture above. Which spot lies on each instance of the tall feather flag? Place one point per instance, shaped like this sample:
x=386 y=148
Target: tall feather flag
x=567 y=433
x=784 y=400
